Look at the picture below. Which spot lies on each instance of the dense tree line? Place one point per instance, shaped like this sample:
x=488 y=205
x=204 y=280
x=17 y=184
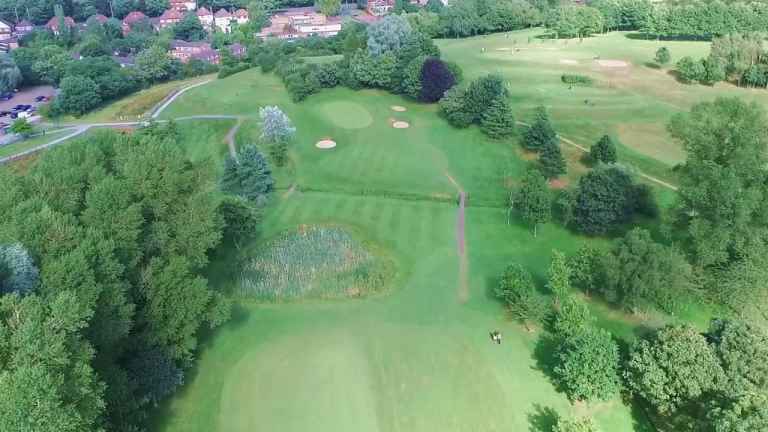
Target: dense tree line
x=102 y=245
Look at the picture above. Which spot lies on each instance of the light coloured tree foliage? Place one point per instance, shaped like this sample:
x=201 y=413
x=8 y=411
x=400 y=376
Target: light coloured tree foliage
x=10 y=75
x=23 y=275
x=275 y=125
x=388 y=34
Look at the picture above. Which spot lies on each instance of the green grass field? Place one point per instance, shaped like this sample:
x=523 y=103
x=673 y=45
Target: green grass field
x=417 y=357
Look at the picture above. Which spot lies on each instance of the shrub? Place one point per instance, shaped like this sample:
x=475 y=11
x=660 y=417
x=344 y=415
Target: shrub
x=226 y=71
x=662 y=56
x=585 y=424
x=452 y=106
x=574 y=79
x=690 y=70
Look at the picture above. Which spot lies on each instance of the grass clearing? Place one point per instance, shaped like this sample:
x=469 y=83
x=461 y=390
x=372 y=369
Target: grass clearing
x=418 y=358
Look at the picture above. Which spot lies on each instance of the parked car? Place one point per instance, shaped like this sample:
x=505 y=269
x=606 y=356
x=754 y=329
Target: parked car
x=4 y=113
x=6 y=96
x=41 y=99
x=14 y=115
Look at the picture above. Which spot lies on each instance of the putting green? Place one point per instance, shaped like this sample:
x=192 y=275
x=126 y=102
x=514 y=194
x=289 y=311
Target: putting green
x=347 y=115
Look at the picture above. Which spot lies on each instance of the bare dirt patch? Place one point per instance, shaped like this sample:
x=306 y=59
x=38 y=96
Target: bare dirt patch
x=613 y=63
x=558 y=184
x=569 y=62
x=401 y=124
x=398 y=108
x=325 y=144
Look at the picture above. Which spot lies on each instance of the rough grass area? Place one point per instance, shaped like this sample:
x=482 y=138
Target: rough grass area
x=316 y=262
x=20 y=146
x=133 y=107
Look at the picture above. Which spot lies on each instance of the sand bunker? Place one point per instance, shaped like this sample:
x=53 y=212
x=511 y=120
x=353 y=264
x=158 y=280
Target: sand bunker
x=613 y=63
x=325 y=144
x=401 y=125
x=398 y=108
x=568 y=62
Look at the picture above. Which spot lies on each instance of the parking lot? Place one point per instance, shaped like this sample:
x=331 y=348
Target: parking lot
x=26 y=96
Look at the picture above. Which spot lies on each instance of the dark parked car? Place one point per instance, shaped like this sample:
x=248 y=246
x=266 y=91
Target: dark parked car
x=14 y=115
x=41 y=98
x=4 y=113
x=6 y=96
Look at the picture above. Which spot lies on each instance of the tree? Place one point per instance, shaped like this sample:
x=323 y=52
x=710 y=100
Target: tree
x=158 y=376
x=259 y=12
x=453 y=107
x=541 y=134
x=435 y=79
x=551 y=161
x=748 y=412
x=248 y=176
x=435 y=6
x=532 y=200
x=690 y=70
x=388 y=35
x=588 y=366
x=154 y=64
x=742 y=350
x=10 y=74
x=559 y=278
x=573 y=21
x=275 y=125
x=22 y=275
x=672 y=367
x=155 y=7
x=497 y=121
x=78 y=95
x=573 y=318
x=47 y=383
x=189 y=28
x=22 y=127
x=586 y=267
x=604 y=150
x=585 y=424
x=328 y=7
x=410 y=84
x=640 y=272
x=481 y=93
x=722 y=193
x=604 y=200
x=662 y=56
x=517 y=290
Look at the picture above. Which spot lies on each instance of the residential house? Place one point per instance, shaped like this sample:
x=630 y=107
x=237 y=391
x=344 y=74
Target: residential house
x=131 y=19
x=6 y=30
x=8 y=45
x=300 y=23
x=241 y=16
x=186 y=51
x=168 y=18
x=23 y=27
x=380 y=7
x=206 y=18
x=223 y=20
x=53 y=24
x=183 y=5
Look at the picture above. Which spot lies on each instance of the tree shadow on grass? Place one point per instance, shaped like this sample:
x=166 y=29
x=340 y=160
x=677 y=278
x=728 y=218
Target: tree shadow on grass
x=545 y=355
x=542 y=419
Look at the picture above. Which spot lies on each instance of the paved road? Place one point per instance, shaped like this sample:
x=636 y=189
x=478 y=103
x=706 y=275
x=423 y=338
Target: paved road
x=164 y=104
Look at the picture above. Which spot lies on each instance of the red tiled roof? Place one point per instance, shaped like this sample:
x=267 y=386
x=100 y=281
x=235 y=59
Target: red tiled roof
x=100 y=18
x=171 y=14
x=134 y=17
x=241 y=13
x=53 y=23
x=203 y=12
x=222 y=13
x=24 y=23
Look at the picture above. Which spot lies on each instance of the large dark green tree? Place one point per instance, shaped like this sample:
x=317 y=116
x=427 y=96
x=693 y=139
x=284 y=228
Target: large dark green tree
x=604 y=150
x=551 y=161
x=497 y=121
x=248 y=176
x=541 y=134
x=517 y=290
